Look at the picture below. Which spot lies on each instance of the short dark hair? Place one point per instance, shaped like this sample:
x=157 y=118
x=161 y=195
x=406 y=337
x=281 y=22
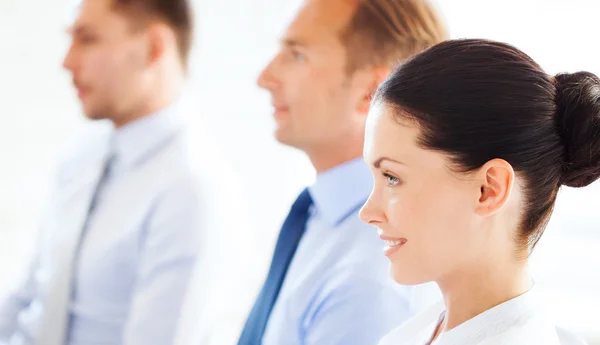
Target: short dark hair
x=175 y=13
x=385 y=32
x=477 y=100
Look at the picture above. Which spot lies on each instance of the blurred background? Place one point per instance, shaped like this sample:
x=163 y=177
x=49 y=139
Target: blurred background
x=39 y=114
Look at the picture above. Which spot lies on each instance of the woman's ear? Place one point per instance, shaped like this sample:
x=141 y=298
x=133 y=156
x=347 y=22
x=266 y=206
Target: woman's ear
x=497 y=179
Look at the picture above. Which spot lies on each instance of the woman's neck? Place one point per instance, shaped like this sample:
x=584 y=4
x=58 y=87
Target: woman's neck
x=473 y=291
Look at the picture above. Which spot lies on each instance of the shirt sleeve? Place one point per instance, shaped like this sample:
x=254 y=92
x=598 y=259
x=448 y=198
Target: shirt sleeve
x=357 y=312
x=16 y=301
x=26 y=288
x=169 y=249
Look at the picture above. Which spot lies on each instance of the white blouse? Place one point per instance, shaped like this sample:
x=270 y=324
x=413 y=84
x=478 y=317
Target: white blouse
x=519 y=321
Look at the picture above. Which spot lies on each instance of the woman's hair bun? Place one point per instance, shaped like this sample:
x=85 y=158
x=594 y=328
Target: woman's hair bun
x=578 y=122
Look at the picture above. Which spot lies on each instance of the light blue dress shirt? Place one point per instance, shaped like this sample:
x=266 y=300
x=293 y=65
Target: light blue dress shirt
x=138 y=246
x=135 y=262
x=337 y=290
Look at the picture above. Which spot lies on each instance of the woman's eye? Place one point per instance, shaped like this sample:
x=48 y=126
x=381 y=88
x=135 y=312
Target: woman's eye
x=392 y=181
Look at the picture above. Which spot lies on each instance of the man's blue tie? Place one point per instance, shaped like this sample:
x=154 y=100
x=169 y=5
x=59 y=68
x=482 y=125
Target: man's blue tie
x=288 y=240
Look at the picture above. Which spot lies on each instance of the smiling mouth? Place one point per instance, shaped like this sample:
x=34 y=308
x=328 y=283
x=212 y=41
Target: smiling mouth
x=393 y=245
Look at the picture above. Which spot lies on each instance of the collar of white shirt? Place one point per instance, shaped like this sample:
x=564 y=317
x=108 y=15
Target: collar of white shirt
x=517 y=321
x=133 y=143
x=494 y=321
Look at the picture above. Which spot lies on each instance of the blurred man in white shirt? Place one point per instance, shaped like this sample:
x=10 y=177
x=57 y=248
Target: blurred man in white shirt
x=133 y=201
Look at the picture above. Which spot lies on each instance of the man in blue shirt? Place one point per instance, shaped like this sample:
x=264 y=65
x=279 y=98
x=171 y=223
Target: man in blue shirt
x=136 y=203
x=328 y=281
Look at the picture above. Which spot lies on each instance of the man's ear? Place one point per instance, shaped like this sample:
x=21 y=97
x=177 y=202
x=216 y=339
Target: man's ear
x=160 y=38
x=373 y=76
x=497 y=179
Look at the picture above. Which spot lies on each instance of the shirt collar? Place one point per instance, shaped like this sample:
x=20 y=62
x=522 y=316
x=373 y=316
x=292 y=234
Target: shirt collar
x=501 y=317
x=339 y=191
x=135 y=141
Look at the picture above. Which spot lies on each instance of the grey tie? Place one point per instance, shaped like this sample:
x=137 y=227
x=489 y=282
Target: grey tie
x=55 y=321
x=108 y=164
x=106 y=171
x=46 y=320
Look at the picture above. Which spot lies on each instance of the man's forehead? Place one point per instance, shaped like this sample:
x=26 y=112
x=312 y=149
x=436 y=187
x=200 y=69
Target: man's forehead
x=318 y=17
x=97 y=13
x=91 y=8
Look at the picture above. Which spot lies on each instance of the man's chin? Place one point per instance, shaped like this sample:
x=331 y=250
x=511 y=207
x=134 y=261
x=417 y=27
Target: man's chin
x=94 y=117
x=92 y=113
x=284 y=136
x=291 y=141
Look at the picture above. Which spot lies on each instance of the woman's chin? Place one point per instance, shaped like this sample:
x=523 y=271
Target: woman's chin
x=405 y=276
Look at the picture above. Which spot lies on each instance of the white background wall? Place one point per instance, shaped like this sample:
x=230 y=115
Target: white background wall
x=39 y=113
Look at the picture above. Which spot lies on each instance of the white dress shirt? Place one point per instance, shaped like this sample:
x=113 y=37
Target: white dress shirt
x=519 y=321
x=120 y=273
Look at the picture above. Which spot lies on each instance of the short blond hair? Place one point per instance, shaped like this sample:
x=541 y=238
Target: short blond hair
x=386 y=32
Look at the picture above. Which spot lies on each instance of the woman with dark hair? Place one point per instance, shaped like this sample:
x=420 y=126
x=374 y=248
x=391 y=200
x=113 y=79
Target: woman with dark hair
x=469 y=143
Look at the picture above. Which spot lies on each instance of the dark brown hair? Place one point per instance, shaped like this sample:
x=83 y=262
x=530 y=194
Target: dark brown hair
x=477 y=100
x=385 y=32
x=175 y=13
